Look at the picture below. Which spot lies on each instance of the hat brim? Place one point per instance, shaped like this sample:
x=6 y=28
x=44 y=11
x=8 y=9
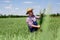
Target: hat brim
x=29 y=11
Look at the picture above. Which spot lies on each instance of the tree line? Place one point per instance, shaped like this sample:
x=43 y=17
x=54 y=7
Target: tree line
x=12 y=16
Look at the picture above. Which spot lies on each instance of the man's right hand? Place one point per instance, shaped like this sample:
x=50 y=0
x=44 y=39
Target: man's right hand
x=38 y=26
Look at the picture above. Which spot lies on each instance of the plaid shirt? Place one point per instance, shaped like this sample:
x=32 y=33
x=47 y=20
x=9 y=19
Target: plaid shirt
x=29 y=20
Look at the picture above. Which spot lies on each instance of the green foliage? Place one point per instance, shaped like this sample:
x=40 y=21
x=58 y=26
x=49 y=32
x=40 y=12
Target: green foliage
x=50 y=28
x=41 y=18
x=55 y=15
x=17 y=29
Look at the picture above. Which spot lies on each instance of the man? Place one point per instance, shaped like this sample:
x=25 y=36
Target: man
x=31 y=20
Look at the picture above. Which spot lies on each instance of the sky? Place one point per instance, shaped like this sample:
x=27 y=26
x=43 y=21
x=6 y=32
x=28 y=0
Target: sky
x=18 y=7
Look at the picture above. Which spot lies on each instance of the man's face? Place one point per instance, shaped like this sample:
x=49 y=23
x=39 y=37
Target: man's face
x=31 y=13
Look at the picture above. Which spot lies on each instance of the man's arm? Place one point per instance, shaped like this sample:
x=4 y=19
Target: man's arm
x=38 y=26
x=38 y=17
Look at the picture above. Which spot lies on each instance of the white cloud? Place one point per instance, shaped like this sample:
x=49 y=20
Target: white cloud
x=16 y=8
x=7 y=1
x=1 y=11
x=28 y=2
x=8 y=7
x=57 y=3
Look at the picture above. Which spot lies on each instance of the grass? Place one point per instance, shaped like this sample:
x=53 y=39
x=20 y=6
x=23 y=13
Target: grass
x=50 y=28
x=16 y=29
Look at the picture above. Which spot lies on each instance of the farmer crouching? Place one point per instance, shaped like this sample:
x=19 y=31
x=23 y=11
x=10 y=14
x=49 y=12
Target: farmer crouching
x=31 y=21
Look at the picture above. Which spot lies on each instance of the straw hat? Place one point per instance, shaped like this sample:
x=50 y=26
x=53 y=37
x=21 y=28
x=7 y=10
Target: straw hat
x=29 y=9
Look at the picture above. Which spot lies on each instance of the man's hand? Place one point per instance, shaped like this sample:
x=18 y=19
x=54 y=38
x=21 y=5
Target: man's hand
x=38 y=26
x=38 y=17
